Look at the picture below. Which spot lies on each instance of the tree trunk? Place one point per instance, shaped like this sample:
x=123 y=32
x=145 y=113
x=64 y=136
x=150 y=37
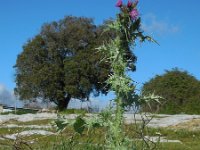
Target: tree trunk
x=63 y=104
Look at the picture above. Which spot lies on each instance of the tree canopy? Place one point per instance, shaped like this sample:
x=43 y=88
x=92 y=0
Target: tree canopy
x=62 y=62
x=180 y=90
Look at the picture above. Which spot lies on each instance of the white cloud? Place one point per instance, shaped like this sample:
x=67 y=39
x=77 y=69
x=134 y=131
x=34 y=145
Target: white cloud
x=7 y=97
x=154 y=26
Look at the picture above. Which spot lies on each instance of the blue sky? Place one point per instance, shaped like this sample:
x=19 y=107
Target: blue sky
x=173 y=23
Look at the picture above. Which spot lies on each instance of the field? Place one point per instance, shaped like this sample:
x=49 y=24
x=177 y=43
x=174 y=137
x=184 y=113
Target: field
x=39 y=133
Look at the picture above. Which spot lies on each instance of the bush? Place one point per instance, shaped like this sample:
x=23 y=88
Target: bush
x=180 y=90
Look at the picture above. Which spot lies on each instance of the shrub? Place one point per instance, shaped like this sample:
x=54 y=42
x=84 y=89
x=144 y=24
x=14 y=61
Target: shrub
x=180 y=90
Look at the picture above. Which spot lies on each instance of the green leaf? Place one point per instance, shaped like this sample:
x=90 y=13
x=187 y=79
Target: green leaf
x=96 y=125
x=79 y=125
x=60 y=124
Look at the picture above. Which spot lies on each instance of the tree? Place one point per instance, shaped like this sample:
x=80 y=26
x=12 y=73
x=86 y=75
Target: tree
x=62 y=62
x=180 y=90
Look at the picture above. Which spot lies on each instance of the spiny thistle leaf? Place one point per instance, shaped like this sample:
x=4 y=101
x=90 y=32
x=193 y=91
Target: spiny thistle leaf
x=79 y=125
x=60 y=124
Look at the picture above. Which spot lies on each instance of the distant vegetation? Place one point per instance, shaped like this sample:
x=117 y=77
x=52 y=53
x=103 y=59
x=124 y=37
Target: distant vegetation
x=74 y=111
x=180 y=90
x=21 y=112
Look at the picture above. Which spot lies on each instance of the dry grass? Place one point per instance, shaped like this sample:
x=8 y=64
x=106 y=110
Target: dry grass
x=192 y=125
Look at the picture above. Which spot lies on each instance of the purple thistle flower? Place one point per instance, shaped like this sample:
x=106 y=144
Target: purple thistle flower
x=129 y=4
x=119 y=3
x=134 y=14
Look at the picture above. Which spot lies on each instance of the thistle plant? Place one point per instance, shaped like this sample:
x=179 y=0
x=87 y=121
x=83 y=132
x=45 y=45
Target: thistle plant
x=118 y=53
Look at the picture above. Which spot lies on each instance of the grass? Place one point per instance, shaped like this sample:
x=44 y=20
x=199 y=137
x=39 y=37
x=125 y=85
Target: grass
x=73 y=111
x=189 y=125
x=20 y=112
x=34 y=122
x=189 y=138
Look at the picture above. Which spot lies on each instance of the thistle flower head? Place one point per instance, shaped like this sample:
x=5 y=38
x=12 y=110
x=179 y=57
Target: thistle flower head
x=129 y=4
x=134 y=14
x=119 y=3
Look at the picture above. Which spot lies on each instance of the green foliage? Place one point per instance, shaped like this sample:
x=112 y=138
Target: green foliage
x=61 y=62
x=180 y=90
x=189 y=139
x=73 y=111
x=79 y=125
x=119 y=54
x=60 y=124
x=21 y=112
